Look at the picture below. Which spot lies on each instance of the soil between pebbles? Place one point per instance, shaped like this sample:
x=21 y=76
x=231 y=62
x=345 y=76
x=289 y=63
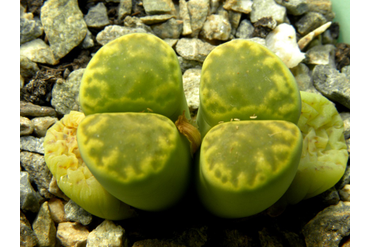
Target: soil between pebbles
x=187 y=224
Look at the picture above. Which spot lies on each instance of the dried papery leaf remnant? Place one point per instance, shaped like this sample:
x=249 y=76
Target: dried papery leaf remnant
x=189 y=131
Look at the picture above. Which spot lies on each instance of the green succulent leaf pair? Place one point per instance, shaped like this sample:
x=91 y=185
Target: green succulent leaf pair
x=263 y=141
x=249 y=105
x=132 y=94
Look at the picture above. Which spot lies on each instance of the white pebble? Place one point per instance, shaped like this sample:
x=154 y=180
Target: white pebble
x=282 y=41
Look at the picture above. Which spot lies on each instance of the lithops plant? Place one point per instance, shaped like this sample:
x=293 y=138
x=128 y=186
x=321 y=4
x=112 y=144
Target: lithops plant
x=324 y=155
x=244 y=80
x=246 y=166
x=134 y=73
x=140 y=158
x=63 y=158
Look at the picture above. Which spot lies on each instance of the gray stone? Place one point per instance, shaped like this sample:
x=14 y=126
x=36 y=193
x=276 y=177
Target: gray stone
x=346 y=121
x=213 y=6
x=191 y=82
x=185 y=17
x=267 y=8
x=27 y=67
x=21 y=81
x=30 y=30
x=155 y=19
x=241 y=6
x=72 y=234
x=64 y=25
x=198 y=11
x=124 y=8
x=332 y=84
x=245 y=30
x=56 y=207
x=65 y=95
x=309 y=22
x=32 y=144
x=303 y=77
x=38 y=51
x=170 y=29
x=345 y=193
x=234 y=19
x=294 y=7
x=114 y=31
x=321 y=54
x=321 y=6
x=135 y=22
x=107 y=234
x=29 y=199
x=55 y=190
x=186 y=64
x=154 y=7
x=329 y=226
x=217 y=27
x=193 y=49
x=44 y=227
x=27 y=236
x=346 y=71
x=76 y=213
x=329 y=197
x=39 y=173
x=26 y=126
x=88 y=41
x=97 y=16
x=42 y=124
x=30 y=110
x=171 y=42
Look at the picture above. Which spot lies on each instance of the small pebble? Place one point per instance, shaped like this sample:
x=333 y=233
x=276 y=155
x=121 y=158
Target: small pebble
x=154 y=19
x=30 y=29
x=107 y=234
x=42 y=124
x=198 y=10
x=241 y=6
x=345 y=193
x=321 y=54
x=72 y=234
x=56 y=207
x=44 y=227
x=170 y=29
x=74 y=212
x=193 y=49
x=155 y=7
x=309 y=22
x=29 y=199
x=30 y=110
x=124 y=8
x=27 y=236
x=26 y=126
x=191 y=82
x=70 y=21
x=332 y=84
x=346 y=121
x=245 y=30
x=185 y=17
x=217 y=27
x=38 y=51
x=32 y=144
x=97 y=16
x=329 y=226
x=267 y=8
x=112 y=32
x=282 y=41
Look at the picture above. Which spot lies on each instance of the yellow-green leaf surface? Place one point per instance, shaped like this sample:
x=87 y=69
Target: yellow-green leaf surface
x=246 y=166
x=324 y=155
x=140 y=158
x=63 y=158
x=134 y=73
x=242 y=79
